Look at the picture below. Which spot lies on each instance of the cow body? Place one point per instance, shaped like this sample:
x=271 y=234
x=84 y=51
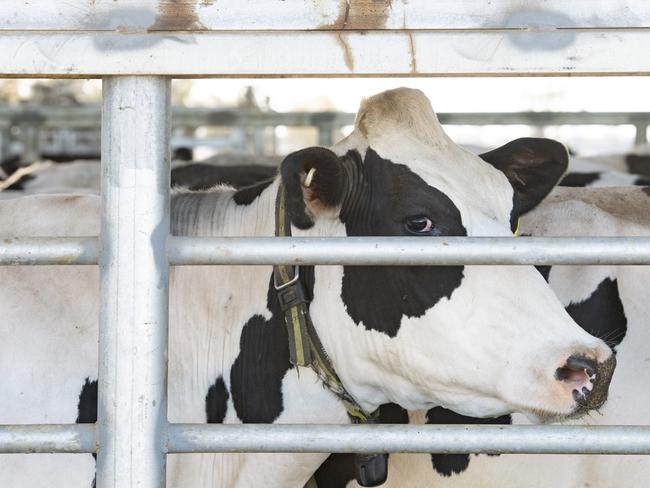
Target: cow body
x=607 y=301
x=392 y=333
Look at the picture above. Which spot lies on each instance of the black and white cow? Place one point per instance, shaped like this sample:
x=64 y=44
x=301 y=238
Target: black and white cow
x=483 y=341
x=587 y=173
x=636 y=161
x=610 y=302
x=203 y=176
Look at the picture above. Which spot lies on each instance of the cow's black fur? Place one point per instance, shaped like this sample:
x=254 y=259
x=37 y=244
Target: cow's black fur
x=602 y=314
x=579 y=179
x=216 y=402
x=638 y=164
x=248 y=194
x=263 y=360
x=200 y=176
x=386 y=195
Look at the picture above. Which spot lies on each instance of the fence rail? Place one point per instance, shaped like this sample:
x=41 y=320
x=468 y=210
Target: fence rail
x=361 y=251
x=48 y=129
x=443 y=439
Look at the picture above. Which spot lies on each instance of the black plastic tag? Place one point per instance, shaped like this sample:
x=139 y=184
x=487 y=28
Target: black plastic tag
x=371 y=469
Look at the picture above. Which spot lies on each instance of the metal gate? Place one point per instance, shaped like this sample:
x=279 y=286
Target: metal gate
x=136 y=46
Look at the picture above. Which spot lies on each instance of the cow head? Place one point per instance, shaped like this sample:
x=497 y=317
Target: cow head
x=480 y=340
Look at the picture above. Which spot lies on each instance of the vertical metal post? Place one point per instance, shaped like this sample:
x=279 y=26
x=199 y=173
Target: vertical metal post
x=325 y=134
x=641 y=135
x=134 y=273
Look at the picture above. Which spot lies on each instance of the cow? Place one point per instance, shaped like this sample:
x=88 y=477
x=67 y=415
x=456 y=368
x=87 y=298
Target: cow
x=609 y=302
x=636 y=161
x=202 y=176
x=483 y=341
x=83 y=176
x=587 y=173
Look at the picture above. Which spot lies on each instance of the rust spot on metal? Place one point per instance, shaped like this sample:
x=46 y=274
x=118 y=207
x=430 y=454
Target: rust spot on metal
x=361 y=15
x=414 y=62
x=358 y=15
x=347 y=52
x=176 y=15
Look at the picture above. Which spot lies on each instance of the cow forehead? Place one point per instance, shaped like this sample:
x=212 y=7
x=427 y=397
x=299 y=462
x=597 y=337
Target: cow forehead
x=401 y=126
x=482 y=194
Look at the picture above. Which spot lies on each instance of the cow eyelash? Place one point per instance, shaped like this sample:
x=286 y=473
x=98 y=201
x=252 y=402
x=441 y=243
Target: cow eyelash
x=419 y=225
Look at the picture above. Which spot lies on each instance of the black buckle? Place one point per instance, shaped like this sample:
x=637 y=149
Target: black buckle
x=291 y=295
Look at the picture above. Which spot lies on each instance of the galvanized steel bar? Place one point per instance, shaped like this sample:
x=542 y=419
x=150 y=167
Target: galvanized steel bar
x=73 y=438
x=376 y=251
x=48 y=250
x=411 y=251
x=134 y=272
x=546 y=439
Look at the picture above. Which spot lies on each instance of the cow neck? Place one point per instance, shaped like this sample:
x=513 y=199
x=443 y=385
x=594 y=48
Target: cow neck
x=305 y=347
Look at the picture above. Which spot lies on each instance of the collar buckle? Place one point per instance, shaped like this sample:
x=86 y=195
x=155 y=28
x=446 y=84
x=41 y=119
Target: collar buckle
x=294 y=279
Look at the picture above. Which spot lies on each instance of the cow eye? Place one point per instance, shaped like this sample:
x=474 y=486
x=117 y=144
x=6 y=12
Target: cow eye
x=419 y=225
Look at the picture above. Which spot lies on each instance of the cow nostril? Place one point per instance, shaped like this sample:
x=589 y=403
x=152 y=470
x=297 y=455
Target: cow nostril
x=576 y=370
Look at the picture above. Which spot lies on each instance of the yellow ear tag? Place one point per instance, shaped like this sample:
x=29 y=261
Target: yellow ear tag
x=517 y=228
x=309 y=178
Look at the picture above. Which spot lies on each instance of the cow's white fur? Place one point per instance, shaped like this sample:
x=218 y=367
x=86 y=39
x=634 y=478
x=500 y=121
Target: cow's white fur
x=50 y=317
x=573 y=212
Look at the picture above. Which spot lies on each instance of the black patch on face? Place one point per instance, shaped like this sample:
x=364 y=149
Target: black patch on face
x=579 y=179
x=216 y=402
x=263 y=360
x=201 y=176
x=247 y=195
x=448 y=464
x=382 y=196
x=602 y=314
x=338 y=469
x=544 y=270
x=638 y=164
x=87 y=407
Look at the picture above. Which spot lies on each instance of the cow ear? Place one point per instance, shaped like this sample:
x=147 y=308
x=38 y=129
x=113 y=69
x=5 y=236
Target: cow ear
x=532 y=165
x=324 y=191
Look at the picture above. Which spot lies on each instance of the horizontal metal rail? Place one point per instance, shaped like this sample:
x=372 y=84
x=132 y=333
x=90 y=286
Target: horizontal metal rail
x=518 y=439
x=89 y=117
x=70 y=438
x=48 y=250
x=187 y=438
x=363 y=251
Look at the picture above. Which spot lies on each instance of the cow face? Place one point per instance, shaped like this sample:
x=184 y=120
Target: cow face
x=480 y=340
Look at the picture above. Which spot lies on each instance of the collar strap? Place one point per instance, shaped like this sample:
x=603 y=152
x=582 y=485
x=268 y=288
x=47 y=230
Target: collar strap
x=305 y=348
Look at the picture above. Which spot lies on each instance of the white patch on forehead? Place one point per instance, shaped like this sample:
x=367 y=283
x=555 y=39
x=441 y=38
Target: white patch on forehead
x=401 y=126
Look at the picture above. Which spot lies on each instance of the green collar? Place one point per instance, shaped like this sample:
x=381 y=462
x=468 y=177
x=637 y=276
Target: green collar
x=305 y=348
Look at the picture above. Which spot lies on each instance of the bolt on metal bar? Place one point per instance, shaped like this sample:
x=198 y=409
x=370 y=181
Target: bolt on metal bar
x=518 y=439
x=73 y=438
x=134 y=272
x=411 y=251
x=376 y=251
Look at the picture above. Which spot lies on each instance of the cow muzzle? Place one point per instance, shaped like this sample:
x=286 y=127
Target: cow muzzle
x=588 y=380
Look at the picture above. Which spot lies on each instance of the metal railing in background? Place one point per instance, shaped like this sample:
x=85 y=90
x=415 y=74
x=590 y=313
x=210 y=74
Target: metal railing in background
x=73 y=131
